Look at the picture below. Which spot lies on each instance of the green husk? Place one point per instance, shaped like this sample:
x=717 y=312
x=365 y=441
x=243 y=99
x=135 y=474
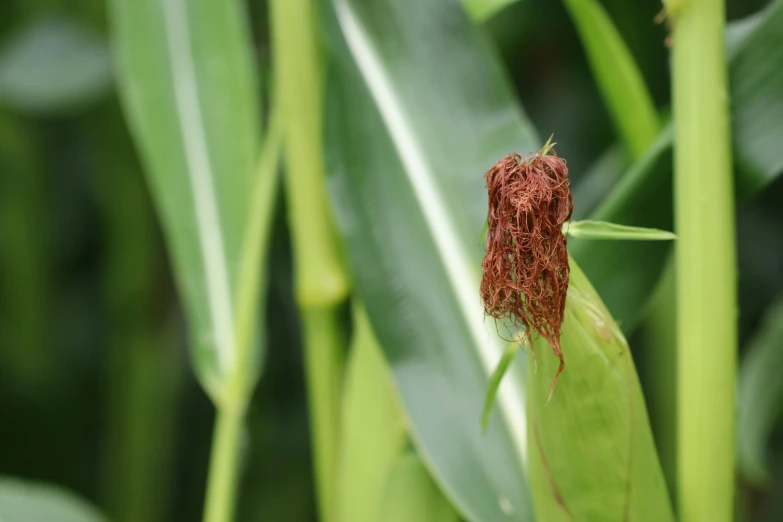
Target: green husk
x=591 y=450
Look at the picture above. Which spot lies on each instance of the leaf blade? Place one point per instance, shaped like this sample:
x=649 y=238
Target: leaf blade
x=758 y=397
x=188 y=86
x=373 y=436
x=411 y=496
x=591 y=229
x=412 y=296
x=619 y=79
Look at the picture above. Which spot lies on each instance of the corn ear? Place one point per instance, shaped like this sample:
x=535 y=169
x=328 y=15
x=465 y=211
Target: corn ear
x=591 y=450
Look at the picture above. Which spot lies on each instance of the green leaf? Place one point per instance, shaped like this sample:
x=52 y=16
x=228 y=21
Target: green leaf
x=760 y=393
x=592 y=454
x=373 y=427
x=625 y=272
x=756 y=84
x=644 y=195
x=620 y=81
x=481 y=10
x=589 y=229
x=54 y=65
x=22 y=501
x=410 y=495
x=189 y=88
x=598 y=180
x=418 y=108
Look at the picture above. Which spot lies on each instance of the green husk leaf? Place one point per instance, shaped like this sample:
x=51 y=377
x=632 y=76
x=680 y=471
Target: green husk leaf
x=589 y=229
x=592 y=454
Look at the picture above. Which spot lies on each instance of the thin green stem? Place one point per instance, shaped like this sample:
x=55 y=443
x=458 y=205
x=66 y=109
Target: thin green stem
x=222 y=481
x=705 y=262
x=321 y=281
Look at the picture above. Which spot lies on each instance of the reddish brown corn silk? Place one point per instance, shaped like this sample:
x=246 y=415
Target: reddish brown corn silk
x=525 y=267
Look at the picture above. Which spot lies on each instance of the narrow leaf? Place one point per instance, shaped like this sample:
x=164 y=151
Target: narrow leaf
x=187 y=81
x=619 y=79
x=759 y=396
x=589 y=229
x=410 y=495
x=29 y=501
x=495 y=379
x=373 y=435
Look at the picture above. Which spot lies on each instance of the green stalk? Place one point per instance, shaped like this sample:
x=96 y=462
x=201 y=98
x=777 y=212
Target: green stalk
x=222 y=479
x=321 y=282
x=705 y=262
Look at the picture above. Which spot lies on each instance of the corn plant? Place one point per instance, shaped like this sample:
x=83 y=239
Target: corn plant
x=469 y=303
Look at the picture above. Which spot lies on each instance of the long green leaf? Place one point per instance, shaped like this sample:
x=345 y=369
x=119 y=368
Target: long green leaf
x=28 y=501
x=643 y=197
x=760 y=392
x=373 y=435
x=189 y=87
x=410 y=495
x=589 y=229
x=592 y=454
x=417 y=110
x=620 y=81
x=496 y=378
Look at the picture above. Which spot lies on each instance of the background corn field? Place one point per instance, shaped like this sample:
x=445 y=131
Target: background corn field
x=240 y=253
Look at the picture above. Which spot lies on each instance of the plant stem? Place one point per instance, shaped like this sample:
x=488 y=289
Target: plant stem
x=705 y=261
x=321 y=282
x=222 y=481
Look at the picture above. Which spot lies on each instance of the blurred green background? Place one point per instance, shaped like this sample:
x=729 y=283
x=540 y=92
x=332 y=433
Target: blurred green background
x=95 y=385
